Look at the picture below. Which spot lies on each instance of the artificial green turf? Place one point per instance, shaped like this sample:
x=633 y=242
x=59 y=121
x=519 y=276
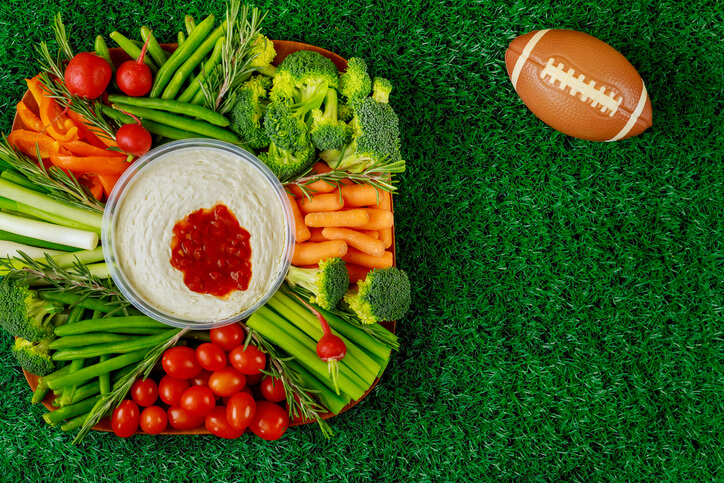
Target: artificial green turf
x=567 y=304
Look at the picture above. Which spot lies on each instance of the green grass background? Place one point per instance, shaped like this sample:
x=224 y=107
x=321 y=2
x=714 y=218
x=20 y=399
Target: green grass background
x=567 y=304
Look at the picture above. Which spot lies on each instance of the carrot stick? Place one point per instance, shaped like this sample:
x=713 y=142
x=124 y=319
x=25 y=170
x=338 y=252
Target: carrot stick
x=316 y=235
x=356 y=217
x=378 y=219
x=373 y=233
x=356 y=239
x=309 y=253
x=386 y=237
x=301 y=231
x=317 y=186
x=357 y=257
x=360 y=195
x=385 y=201
x=29 y=118
x=356 y=272
x=321 y=202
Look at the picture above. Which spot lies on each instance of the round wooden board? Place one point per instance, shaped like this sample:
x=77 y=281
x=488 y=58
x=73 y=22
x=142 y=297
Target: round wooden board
x=283 y=48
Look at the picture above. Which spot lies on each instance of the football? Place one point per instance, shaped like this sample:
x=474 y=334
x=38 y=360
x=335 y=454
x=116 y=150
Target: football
x=578 y=85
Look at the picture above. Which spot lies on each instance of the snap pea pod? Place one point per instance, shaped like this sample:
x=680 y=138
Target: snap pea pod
x=42 y=388
x=70 y=411
x=180 y=55
x=195 y=86
x=75 y=299
x=95 y=370
x=153 y=127
x=96 y=386
x=76 y=313
x=181 y=38
x=124 y=347
x=200 y=127
x=102 y=51
x=81 y=340
x=154 y=49
x=133 y=50
x=195 y=58
x=171 y=105
x=189 y=23
x=109 y=324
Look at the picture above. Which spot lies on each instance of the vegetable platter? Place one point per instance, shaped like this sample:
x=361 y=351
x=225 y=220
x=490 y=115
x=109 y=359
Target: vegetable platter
x=325 y=130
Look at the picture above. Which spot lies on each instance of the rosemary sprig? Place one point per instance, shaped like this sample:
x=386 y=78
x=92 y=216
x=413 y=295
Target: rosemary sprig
x=303 y=404
x=108 y=402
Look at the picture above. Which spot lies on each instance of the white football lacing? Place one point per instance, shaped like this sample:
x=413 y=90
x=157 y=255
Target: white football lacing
x=578 y=85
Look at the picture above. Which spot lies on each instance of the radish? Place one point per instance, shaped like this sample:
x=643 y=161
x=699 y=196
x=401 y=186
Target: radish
x=134 y=77
x=87 y=75
x=134 y=138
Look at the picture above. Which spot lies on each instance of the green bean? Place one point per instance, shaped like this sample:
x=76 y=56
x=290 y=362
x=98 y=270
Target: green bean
x=169 y=132
x=90 y=372
x=170 y=105
x=39 y=394
x=196 y=58
x=195 y=86
x=181 y=38
x=72 y=410
x=75 y=299
x=180 y=55
x=200 y=127
x=102 y=51
x=154 y=49
x=133 y=50
x=189 y=23
x=71 y=341
x=76 y=313
x=109 y=324
x=124 y=347
x=95 y=386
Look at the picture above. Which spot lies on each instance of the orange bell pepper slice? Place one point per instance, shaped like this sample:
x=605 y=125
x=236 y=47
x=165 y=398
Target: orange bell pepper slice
x=93 y=183
x=108 y=181
x=29 y=118
x=90 y=164
x=25 y=141
x=79 y=148
x=55 y=123
x=84 y=130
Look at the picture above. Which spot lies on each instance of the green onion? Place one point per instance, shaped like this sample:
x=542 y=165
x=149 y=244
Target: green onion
x=48 y=231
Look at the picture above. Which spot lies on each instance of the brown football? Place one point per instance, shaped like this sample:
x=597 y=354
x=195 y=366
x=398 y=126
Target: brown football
x=578 y=85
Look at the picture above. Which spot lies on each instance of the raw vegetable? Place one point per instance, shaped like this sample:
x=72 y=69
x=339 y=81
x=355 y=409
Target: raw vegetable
x=384 y=295
x=23 y=314
x=125 y=419
x=310 y=253
x=157 y=53
x=87 y=75
x=134 y=77
x=33 y=357
x=133 y=50
x=134 y=139
x=356 y=239
x=170 y=105
x=356 y=217
x=328 y=283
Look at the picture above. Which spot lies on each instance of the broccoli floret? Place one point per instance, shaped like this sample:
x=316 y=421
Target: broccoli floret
x=381 y=89
x=286 y=164
x=328 y=283
x=24 y=314
x=286 y=127
x=34 y=357
x=375 y=139
x=344 y=112
x=327 y=131
x=384 y=295
x=355 y=84
x=248 y=111
x=262 y=54
x=303 y=75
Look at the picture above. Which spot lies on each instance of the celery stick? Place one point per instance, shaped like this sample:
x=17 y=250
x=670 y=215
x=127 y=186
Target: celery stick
x=19 y=179
x=13 y=237
x=326 y=396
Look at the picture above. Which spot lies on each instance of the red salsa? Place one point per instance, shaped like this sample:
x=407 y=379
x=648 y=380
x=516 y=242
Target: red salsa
x=212 y=251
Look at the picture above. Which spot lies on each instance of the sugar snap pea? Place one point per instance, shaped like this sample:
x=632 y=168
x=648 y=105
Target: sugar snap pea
x=109 y=324
x=154 y=49
x=70 y=411
x=132 y=49
x=171 y=105
x=195 y=86
x=81 y=340
x=189 y=23
x=102 y=51
x=181 y=38
x=95 y=370
x=122 y=347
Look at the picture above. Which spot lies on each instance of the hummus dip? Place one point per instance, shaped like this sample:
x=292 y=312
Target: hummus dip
x=167 y=190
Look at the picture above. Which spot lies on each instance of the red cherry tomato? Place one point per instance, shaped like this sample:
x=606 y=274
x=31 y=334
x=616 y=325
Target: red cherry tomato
x=144 y=392
x=134 y=78
x=198 y=401
x=201 y=380
x=125 y=419
x=218 y=425
x=170 y=389
x=153 y=419
x=240 y=410
x=180 y=419
x=272 y=389
x=228 y=336
x=180 y=362
x=255 y=379
x=248 y=390
x=270 y=421
x=87 y=75
x=227 y=381
x=211 y=356
x=134 y=139
x=250 y=361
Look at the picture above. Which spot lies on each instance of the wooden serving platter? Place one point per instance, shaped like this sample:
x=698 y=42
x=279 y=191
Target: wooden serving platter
x=283 y=48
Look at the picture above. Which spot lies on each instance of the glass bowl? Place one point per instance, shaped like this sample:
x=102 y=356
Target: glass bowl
x=161 y=188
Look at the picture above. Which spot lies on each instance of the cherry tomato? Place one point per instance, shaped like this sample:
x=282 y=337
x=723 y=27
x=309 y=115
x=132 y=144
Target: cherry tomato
x=211 y=356
x=227 y=381
x=272 y=389
x=180 y=419
x=198 y=401
x=170 y=389
x=144 y=392
x=153 y=419
x=180 y=362
x=250 y=361
x=228 y=336
x=255 y=379
x=240 y=410
x=248 y=390
x=270 y=421
x=87 y=75
x=125 y=419
x=218 y=425
x=134 y=139
x=201 y=380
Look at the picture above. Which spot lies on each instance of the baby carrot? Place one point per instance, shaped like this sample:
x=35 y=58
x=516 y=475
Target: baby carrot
x=385 y=201
x=360 y=195
x=356 y=239
x=373 y=233
x=317 y=186
x=378 y=219
x=386 y=237
x=302 y=233
x=356 y=272
x=357 y=257
x=309 y=253
x=321 y=202
x=316 y=235
x=337 y=218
